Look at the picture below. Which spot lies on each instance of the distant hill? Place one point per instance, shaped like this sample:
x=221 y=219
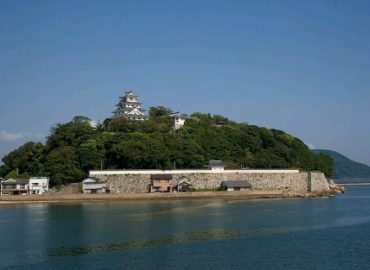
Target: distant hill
x=345 y=168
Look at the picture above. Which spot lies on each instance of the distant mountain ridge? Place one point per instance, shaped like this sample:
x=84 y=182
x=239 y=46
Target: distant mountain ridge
x=345 y=168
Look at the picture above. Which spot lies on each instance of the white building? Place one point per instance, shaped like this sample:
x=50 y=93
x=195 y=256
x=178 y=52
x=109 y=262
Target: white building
x=14 y=187
x=94 y=185
x=38 y=185
x=129 y=107
x=178 y=120
x=216 y=165
x=33 y=185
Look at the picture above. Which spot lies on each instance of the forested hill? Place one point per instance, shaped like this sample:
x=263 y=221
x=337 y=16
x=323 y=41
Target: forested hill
x=345 y=168
x=74 y=148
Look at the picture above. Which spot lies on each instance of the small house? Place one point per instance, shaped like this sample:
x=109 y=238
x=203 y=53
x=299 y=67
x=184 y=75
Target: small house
x=184 y=184
x=14 y=187
x=38 y=185
x=94 y=185
x=235 y=185
x=216 y=165
x=178 y=120
x=160 y=183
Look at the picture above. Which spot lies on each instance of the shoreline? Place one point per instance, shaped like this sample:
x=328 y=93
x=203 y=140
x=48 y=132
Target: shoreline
x=106 y=197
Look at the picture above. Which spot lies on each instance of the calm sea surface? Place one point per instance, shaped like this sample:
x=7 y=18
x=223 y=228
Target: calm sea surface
x=321 y=233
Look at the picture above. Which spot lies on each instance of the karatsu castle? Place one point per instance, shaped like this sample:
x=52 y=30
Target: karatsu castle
x=129 y=107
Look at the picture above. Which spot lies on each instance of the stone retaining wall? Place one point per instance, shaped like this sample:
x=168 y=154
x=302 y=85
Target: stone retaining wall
x=299 y=182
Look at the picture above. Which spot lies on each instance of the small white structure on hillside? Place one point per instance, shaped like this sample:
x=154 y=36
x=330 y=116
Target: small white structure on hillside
x=94 y=185
x=178 y=120
x=38 y=185
x=94 y=124
x=216 y=165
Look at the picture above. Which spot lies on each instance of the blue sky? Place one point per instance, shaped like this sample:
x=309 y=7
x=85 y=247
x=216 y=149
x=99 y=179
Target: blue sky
x=299 y=66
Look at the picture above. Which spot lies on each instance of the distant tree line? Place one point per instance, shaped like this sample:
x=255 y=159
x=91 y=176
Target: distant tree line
x=74 y=148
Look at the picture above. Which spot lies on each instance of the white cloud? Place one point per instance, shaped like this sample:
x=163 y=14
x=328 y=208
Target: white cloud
x=12 y=137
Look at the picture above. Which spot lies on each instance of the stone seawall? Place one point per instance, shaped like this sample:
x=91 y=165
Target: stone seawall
x=297 y=182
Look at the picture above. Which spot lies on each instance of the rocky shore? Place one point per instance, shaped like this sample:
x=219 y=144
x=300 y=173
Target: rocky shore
x=240 y=195
x=335 y=188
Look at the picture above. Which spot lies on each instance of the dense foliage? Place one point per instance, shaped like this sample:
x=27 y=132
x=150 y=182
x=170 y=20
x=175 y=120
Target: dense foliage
x=345 y=168
x=75 y=147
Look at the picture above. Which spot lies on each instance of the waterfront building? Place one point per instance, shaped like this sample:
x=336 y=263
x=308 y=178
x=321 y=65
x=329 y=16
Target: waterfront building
x=33 y=185
x=38 y=185
x=160 y=183
x=235 y=185
x=14 y=186
x=129 y=107
x=94 y=185
x=184 y=184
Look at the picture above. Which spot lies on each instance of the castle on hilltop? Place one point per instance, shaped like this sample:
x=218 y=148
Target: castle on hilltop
x=129 y=107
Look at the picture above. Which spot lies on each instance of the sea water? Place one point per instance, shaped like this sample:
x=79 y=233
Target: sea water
x=321 y=233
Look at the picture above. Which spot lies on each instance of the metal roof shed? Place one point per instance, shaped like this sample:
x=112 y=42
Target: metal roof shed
x=235 y=185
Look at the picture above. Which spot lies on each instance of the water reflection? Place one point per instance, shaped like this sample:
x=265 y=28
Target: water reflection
x=293 y=233
x=196 y=236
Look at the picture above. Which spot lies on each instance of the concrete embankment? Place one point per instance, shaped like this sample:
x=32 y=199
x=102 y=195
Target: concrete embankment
x=240 y=195
x=125 y=181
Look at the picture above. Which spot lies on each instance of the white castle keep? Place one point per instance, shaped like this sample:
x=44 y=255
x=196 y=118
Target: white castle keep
x=129 y=107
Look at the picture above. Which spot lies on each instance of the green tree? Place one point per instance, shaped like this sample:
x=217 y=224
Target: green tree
x=70 y=134
x=90 y=154
x=27 y=159
x=81 y=119
x=4 y=170
x=12 y=174
x=159 y=111
x=62 y=166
